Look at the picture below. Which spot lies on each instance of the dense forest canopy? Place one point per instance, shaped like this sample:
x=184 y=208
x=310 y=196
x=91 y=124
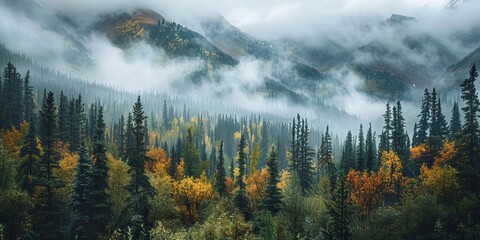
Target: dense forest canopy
x=69 y=171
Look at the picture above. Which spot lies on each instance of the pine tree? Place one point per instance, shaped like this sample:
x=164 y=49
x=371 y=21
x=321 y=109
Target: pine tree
x=468 y=162
x=340 y=212
x=263 y=145
x=98 y=198
x=399 y=139
x=361 y=155
x=455 y=123
x=166 y=124
x=423 y=124
x=140 y=188
x=79 y=203
x=387 y=128
x=348 y=156
x=370 y=150
x=241 y=200
x=48 y=208
x=273 y=196
x=28 y=102
x=31 y=153
x=220 y=174
x=191 y=156
x=415 y=141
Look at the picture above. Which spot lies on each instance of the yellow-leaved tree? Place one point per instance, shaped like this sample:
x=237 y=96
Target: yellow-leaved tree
x=189 y=195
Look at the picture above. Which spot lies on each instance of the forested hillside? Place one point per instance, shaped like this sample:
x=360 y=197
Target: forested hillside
x=108 y=168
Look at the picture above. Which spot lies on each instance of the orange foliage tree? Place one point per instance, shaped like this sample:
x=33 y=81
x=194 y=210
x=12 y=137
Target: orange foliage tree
x=367 y=191
x=255 y=186
x=189 y=195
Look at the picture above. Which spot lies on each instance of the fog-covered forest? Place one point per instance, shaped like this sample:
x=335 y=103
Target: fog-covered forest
x=274 y=119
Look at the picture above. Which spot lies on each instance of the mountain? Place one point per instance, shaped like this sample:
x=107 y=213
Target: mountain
x=457 y=72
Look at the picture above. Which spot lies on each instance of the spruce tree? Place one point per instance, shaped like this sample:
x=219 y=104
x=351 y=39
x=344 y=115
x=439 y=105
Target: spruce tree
x=241 y=200
x=31 y=153
x=361 y=155
x=399 y=138
x=370 y=150
x=191 y=156
x=28 y=102
x=387 y=128
x=98 y=198
x=348 y=156
x=306 y=172
x=273 y=196
x=468 y=162
x=140 y=188
x=49 y=204
x=423 y=124
x=455 y=123
x=79 y=202
x=220 y=174
x=340 y=212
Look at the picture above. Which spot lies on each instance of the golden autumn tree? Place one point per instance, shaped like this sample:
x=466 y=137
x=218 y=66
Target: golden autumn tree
x=255 y=186
x=158 y=161
x=390 y=171
x=189 y=195
x=367 y=191
x=13 y=139
x=66 y=172
x=118 y=180
x=441 y=179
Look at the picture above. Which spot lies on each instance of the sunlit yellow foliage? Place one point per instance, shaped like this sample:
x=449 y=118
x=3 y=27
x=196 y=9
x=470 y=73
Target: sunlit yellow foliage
x=284 y=176
x=189 y=194
x=442 y=181
x=417 y=151
x=118 y=180
x=254 y=157
x=390 y=170
x=13 y=138
x=66 y=173
x=255 y=186
x=179 y=170
x=446 y=153
x=237 y=135
x=158 y=163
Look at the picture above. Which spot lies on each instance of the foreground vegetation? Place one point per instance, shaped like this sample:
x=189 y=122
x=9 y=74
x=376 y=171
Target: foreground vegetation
x=65 y=175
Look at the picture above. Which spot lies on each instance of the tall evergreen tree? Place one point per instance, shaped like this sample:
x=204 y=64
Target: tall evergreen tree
x=361 y=155
x=79 y=203
x=455 y=123
x=423 y=124
x=31 y=153
x=415 y=141
x=273 y=196
x=220 y=174
x=370 y=150
x=306 y=172
x=140 y=188
x=49 y=222
x=28 y=102
x=241 y=200
x=399 y=138
x=468 y=162
x=348 y=156
x=387 y=128
x=191 y=156
x=340 y=212
x=98 y=198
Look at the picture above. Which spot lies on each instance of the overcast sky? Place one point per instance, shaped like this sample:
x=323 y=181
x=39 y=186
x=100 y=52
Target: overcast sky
x=267 y=19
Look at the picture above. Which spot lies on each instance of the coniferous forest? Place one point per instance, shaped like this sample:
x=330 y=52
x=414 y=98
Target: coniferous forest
x=73 y=169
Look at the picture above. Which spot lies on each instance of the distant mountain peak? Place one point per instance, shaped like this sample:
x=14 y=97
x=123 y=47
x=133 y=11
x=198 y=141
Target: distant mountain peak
x=454 y=4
